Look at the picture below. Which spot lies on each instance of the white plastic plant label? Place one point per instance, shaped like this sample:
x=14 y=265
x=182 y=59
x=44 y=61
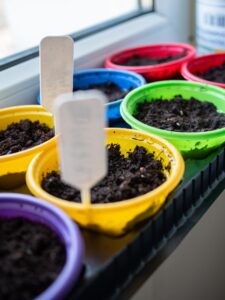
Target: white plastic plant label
x=80 y=122
x=210 y=26
x=56 y=69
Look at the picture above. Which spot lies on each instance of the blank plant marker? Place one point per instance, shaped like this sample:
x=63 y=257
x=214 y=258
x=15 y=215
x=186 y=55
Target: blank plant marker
x=56 y=69
x=80 y=122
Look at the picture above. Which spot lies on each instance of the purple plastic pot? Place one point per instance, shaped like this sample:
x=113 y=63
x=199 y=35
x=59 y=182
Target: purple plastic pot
x=33 y=209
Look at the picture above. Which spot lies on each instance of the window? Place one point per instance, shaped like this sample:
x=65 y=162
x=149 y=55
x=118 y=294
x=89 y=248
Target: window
x=23 y=23
x=19 y=73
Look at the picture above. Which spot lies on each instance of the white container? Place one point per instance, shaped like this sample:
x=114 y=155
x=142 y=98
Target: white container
x=210 y=26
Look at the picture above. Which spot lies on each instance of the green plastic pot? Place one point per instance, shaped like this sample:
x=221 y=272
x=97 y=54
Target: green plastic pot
x=194 y=145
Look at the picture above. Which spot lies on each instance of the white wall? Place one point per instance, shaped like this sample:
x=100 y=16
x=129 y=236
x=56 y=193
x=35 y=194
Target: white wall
x=196 y=269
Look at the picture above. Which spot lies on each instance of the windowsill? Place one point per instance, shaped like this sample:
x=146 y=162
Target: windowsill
x=20 y=84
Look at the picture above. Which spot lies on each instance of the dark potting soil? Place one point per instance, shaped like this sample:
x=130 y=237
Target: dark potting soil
x=137 y=60
x=31 y=257
x=216 y=74
x=111 y=90
x=23 y=135
x=180 y=115
x=127 y=177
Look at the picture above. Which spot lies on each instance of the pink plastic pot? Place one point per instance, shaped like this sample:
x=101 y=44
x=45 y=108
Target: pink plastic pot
x=169 y=70
x=198 y=65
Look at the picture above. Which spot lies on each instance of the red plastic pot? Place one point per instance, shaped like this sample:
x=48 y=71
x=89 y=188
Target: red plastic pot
x=198 y=65
x=169 y=70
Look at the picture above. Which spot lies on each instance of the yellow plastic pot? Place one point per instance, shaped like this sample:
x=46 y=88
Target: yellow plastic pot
x=14 y=166
x=113 y=218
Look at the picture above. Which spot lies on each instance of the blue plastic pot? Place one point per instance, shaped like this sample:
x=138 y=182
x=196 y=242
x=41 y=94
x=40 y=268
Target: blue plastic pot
x=124 y=79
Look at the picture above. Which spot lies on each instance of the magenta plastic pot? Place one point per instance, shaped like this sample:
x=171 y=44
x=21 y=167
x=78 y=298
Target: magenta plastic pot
x=33 y=209
x=161 y=71
x=193 y=69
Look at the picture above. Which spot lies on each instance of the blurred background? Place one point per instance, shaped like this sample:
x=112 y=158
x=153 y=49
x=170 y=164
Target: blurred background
x=23 y=23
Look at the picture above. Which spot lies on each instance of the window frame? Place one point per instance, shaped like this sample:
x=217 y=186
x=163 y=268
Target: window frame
x=19 y=84
x=33 y=52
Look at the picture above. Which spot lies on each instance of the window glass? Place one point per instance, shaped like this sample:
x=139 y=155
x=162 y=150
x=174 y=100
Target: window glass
x=23 y=23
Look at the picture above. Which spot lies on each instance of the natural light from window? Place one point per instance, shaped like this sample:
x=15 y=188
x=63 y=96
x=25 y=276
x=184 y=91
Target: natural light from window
x=23 y=23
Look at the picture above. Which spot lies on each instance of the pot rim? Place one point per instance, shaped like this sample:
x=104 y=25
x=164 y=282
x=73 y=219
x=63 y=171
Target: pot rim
x=145 y=69
x=166 y=133
x=188 y=75
x=26 y=109
x=171 y=182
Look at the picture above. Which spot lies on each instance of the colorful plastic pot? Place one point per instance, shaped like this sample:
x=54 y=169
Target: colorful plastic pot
x=125 y=80
x=197 y=144
x=113 y=218
x=201 y=64
x=169 y=70
x=14 y=166
x=33 y=209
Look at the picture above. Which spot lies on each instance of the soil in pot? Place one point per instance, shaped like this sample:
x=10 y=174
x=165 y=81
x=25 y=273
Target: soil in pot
x=216 y=74
x=111 y=90
x=31 y=257
x=127 y=177
x=138 y=60
x=180 y=115
x=23 y=135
